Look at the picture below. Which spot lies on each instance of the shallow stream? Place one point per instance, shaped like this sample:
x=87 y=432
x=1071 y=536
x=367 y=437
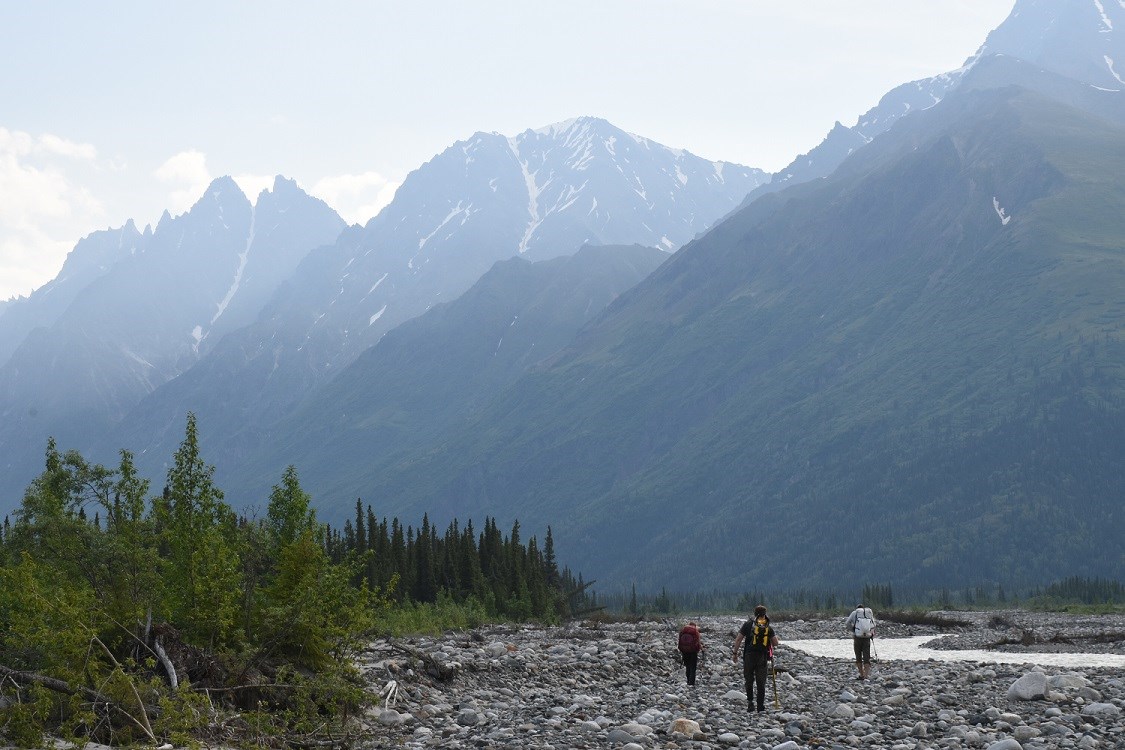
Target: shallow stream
x=913 y=649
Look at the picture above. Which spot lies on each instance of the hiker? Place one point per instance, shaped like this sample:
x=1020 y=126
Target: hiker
x=690 y=645
x=861 y=624
x=760 y=642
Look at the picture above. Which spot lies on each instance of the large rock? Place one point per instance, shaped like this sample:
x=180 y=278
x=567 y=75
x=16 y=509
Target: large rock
x=1032 y=686
x=636 y=729
x=684 y=726
x=616 y=736
x=1064 y=681
x=1101 y=709
x=1006 y=744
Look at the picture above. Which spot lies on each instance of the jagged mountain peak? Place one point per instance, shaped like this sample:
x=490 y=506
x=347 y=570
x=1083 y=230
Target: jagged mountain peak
x=1079 y=39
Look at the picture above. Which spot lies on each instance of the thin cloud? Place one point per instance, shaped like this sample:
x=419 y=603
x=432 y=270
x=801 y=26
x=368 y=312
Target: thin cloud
x=42 y=200
x=356 y=197
x=188 y=170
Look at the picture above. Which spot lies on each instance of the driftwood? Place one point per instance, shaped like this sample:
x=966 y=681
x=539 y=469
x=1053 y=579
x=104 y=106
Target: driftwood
x=59 y=686
x=169 y=667
x=95 y=697
x=434 y=668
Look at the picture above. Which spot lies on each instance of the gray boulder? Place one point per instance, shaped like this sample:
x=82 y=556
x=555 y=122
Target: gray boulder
x=1032 y=686
x=1101 y=709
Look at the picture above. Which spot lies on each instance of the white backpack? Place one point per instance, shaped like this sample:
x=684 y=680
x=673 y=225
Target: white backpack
x=864 y=623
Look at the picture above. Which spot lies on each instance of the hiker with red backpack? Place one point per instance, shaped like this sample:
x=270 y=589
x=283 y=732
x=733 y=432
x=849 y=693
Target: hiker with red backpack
x=690 y=645
x=861 y=624
x=760 y=642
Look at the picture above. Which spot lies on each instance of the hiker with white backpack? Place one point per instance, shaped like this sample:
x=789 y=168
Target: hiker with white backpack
x=861 y=624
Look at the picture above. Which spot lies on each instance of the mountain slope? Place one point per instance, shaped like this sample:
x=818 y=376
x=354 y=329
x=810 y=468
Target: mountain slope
x=540 y=194
x=1077 y=39
x=431 y=373
x=927 y=346
x=91 y=258
x=148 y=317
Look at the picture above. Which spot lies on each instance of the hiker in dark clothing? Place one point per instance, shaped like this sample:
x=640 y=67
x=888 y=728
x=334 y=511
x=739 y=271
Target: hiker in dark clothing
x=760 y=642
x=690 y=645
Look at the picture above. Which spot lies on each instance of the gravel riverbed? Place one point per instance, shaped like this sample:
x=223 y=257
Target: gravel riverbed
x=596 y=685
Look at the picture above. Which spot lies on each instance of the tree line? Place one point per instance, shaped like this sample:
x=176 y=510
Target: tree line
x=128 y=617
x=507 y=577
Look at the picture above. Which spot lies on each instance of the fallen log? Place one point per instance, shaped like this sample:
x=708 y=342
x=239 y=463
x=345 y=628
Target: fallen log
x=433 y=667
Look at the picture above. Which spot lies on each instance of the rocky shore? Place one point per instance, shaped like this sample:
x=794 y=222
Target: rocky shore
x=596 y=685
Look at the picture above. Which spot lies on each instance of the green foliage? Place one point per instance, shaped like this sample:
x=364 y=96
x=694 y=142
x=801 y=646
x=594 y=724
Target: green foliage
x=198 y=531
x=85 y=603
x=259 y=621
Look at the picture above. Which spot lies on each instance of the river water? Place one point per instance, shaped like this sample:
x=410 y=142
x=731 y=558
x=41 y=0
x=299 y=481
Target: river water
x=913 y=649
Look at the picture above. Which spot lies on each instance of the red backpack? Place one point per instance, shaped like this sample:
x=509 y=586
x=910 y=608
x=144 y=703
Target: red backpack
x=689 y=640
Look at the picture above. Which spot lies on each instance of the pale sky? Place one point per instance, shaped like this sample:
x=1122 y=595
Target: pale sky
x=112 y=111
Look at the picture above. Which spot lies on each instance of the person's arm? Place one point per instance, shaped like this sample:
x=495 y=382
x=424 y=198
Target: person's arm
x=850 y=622
x=737 y=642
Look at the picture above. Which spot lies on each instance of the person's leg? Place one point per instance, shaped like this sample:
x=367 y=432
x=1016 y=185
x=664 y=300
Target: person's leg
x=691 y=661
x=748 y=674
x=760 y=676
x=857 y=647
x=866 y=656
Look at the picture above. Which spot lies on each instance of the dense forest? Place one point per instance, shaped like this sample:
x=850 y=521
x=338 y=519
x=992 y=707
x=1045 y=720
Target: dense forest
x=126 y=617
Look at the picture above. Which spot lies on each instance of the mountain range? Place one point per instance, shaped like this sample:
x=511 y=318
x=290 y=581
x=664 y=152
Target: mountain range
x=899 y=359
x=244 y=310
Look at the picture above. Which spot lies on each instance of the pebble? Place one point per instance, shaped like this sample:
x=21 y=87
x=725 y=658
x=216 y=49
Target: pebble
x=595 y=685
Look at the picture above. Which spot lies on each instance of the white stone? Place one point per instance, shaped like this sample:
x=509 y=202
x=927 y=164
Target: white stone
x=790 y=745
x=734 y=695
x=843 y=711
x=1023 y=734
x=728 y=738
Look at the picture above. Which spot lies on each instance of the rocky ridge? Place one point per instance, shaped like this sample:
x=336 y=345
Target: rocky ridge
x=594 y=685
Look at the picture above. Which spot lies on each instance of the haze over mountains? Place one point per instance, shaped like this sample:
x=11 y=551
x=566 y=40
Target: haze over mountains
x=905 y=349
x=239 y=330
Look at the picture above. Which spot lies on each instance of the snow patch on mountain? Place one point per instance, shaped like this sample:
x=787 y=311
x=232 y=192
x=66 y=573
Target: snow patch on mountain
x=1004 y=217
x=532 y=195
x=377 y=315
x=1106 y=23
x=455 y=212
x=1109 y=64
x=242 y=256
x=376 y=285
